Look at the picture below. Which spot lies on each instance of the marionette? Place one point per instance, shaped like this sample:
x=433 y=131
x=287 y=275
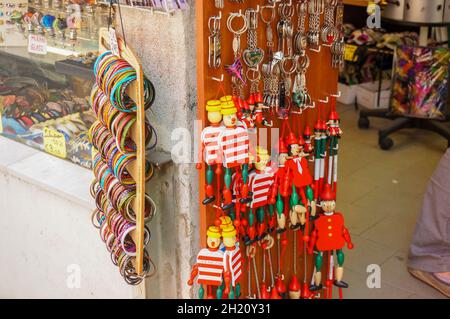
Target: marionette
x=334 y=133
x=279 y=198
x=258 y=116
x=299 y=178
x=209 y=267
x=320 y=140
x=210 y=151
x=260 y=182
x=234 y=144
x=232 y=262
x=308 y=148
x=244 y=113
x=329 y=235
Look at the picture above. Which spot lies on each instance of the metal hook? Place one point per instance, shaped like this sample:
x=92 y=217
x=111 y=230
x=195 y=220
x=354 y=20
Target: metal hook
x=316 y=50
x=337 y=95
x=324 y=101
x=221 y=79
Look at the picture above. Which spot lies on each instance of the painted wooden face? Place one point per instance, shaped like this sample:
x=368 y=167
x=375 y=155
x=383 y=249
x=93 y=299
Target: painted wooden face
x=295 y=149
x=230 y=120
x=213 y=242
x=214 y=117
x=261 y=165
x=329 y=206
x=229 y=242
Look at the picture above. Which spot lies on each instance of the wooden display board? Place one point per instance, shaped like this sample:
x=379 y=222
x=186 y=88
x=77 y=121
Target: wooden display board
x=321 y=83
x=137 y=168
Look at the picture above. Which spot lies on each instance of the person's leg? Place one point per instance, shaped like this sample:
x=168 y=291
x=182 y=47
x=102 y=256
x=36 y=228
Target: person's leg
x=430 y=247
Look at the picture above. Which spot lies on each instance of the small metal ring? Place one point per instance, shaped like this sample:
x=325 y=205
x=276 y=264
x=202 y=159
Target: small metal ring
x=230 y=23
x=293 y=67
x=256 y=75
x=273 y=12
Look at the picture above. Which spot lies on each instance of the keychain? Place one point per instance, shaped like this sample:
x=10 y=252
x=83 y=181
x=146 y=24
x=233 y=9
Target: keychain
x=285 y=29
x=236 y=69
x=315 y=10
x=220 y=4
x=301 y=40
x=214 y=42
x=329 y=32
x=338 y=47
x=301 y=97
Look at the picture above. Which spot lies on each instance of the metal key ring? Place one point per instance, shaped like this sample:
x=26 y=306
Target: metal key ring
x=287 y=11
x=215 y=26
x=230 y=23
x=273 y=14
x=293 y=66
x=256 y=75
x=303 y=62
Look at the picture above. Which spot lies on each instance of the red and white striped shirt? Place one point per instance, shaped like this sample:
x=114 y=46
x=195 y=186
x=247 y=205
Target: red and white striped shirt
x=210 y=267
x=234 y=144
x=260 y=183
x=210 y=140
x=232 y=260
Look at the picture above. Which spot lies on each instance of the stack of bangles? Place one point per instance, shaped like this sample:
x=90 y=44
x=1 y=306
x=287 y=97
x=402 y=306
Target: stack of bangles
x=114 y=188
x=113 y=75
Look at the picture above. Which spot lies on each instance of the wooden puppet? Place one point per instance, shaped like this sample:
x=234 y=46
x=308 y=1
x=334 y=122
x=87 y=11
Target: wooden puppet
x=334 y=133
x=258 y=115
x=308 y=149
x=209 y=267
x=260 y=182
x=234 y=144
x=210 y=152
x=232 y=262
x=320 y=141
x=299 y=178
x=329 y=235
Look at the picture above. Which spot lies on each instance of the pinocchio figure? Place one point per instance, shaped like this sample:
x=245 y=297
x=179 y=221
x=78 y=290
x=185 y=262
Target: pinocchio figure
x=234 y=144
x=334 y=133
x=329 y=235
x=308 y=148
x=232 y=262
x=299 y=178
x=258 y=115
x=210 y=150
x=209 y=267
x=320 y=146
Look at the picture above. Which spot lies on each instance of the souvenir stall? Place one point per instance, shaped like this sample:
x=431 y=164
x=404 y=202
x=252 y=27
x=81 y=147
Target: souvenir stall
x=267 y=87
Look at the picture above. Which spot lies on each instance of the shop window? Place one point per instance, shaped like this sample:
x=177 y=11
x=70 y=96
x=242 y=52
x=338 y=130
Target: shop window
x=47 y=52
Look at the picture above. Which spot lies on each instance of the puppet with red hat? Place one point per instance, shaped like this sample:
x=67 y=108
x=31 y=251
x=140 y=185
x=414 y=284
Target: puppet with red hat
x=329 y=235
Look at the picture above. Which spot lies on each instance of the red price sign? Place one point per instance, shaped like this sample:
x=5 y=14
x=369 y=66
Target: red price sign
x=37 y=44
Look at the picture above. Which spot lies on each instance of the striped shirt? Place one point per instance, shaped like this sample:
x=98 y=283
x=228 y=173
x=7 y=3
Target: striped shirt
x=210 y=142
x=210 y=267
x=233 y=263
x=260 y=184
x=234 y=144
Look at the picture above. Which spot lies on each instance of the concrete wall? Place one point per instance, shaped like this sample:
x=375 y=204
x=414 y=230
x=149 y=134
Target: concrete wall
x=166 y=46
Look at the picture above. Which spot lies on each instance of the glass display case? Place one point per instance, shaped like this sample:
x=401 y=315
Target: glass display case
x=47 y=51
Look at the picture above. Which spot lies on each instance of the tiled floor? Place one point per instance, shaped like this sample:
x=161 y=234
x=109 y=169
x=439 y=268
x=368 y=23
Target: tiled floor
x=380 y=195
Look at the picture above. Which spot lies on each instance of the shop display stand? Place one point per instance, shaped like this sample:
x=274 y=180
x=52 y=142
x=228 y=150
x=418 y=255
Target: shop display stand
x=322 y=85
x=401 y=122
x=137 y=169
